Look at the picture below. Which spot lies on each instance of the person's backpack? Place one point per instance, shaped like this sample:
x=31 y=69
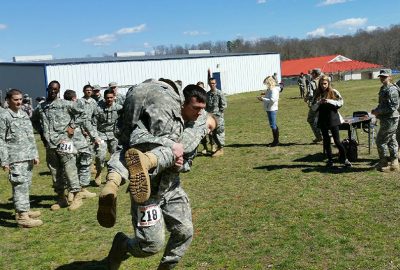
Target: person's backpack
x=350 y=146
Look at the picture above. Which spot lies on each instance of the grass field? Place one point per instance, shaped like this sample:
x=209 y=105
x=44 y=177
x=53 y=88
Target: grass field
x=254 y=208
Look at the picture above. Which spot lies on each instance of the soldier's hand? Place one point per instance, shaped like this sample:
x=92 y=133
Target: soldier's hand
x=70 y=131
x=97 y=142
x=179 y=162
x=36 y=161
x=177 y=150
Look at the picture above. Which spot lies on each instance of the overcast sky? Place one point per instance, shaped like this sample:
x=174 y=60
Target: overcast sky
x=79 y=28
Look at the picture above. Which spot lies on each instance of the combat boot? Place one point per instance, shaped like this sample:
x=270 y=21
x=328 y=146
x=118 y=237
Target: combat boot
x=24 y=221
x=394 y=165
x=382 y=165
x=34 y=214
x=77 y=202
x=219 y=152
x=138 y=165
x=118 y=251
x=86 y=194
x=107 y=211
x=61 y=203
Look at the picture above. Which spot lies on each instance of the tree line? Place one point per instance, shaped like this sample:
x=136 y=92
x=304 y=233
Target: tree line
x=381 y=46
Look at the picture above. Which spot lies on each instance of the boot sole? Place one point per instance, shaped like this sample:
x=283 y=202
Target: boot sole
x=107 y=211
x=139 y=180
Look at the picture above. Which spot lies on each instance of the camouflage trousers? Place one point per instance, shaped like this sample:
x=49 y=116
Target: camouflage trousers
x=311 y=120
x=63 y=170
x=218 y=135
x=101 y=152
x=386 y=138
x=21 y=178
x=117 y=161
x=83 y=163
x=176 y=216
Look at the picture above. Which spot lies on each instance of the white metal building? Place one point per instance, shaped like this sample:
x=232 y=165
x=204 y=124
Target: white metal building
x=235 y=73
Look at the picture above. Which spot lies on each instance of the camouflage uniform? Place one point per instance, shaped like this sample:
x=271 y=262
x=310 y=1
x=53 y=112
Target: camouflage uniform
x=84 y=133
x=301 y=81
x=216 y=104
x=388 y=117
x=18 y=150
x=104 y=120
x=312 y=88
x=158 y=107
x=89 y=105
x=53 y=119
x=120 y=99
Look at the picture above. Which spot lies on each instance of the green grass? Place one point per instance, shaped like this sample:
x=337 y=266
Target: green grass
x=254 y=208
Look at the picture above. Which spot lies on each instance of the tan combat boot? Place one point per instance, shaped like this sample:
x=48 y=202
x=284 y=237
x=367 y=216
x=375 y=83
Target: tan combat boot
x=118 y=251
x=86 y=194
x=24 y=221
x=219 y=152
x=107 y=211
x=138 y=165
x=34 y=214
x=382 y=165
x=61 y=203
x=77 y=202
x=394 y=165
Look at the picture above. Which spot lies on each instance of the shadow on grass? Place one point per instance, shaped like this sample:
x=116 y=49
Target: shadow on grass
x=37 y=200
x=317 y=157
x=4 y=219
x=239 y=145
x=306 y=168
x=44 y=173
x=84 y=265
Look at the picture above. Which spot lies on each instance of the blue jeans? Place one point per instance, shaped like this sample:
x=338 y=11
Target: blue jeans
x=272 y=119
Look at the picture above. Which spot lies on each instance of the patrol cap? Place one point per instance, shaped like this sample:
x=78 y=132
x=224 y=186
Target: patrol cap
x=113 y=84
x=96 y=87
x=316 y=71
x=385 y=73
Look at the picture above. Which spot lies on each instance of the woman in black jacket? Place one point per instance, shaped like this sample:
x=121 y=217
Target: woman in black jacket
x=327 y=102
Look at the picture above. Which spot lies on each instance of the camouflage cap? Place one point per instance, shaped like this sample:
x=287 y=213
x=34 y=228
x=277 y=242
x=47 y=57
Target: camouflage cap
x=113 y=84
x=316 y=71
x=385 y=73
x=96 y=87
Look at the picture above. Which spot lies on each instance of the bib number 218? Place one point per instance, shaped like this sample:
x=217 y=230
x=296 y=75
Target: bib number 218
x=148 y=215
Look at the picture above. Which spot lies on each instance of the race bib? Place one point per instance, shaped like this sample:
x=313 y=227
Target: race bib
x=148 y=215
x=66 y=147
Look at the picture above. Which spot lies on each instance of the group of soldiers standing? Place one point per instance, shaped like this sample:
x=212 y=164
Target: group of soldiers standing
x=151 y=134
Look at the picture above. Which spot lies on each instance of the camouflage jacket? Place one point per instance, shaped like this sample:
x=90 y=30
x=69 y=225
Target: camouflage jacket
x=388 y=102
x=17 y=142
x=53 y=118
x=216 y=103
x=105 y=119
x=158 y=106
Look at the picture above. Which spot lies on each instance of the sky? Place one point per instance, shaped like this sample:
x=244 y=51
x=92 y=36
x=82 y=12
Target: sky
x=82 y=28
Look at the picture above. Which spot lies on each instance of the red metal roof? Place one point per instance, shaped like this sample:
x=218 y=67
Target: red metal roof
x=339 y=63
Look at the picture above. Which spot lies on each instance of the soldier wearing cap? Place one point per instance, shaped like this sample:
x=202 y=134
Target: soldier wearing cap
x=96 y=95
x=310 y=99
x=388 y=115
x=119 y=98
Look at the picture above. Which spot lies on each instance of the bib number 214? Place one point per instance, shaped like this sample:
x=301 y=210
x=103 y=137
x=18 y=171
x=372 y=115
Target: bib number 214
x=148 y=215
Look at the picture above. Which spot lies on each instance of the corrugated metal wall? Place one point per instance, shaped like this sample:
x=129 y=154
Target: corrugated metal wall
x=30 y=79
x=238 y=73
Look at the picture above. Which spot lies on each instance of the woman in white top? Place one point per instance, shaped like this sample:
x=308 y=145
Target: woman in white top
x=270 y=100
